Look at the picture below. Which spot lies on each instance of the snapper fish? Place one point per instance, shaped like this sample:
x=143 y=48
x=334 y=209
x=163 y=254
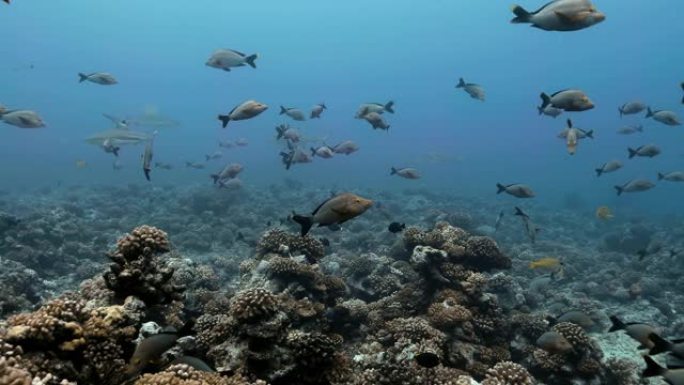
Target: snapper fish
x=647 y=150
x=516 y=189
x=636 y=330
x=560 y=15
x=294 y=113
x=567 y=100
x=101 y=78
x=607 y=167
x=376 y=121
x=225 y=59
x=474 y=90
x=324 y=152
x=629 y=130
x=666 y=117
x=334 y=211
x=347 y=147
x=317 y=110
x=407 y=173
x=631 y=108
x=379 y=108
x=21 y=118
x=247 y=110
x=674 y=176
x=635 y=185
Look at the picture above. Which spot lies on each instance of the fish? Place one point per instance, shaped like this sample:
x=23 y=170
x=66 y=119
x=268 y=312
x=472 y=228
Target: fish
x=81 y=164
x=578 y=318
x=324 y=152
x=379 y=108
x=629 y=130
x=407 y=173
x=226 y=144
x=149 y=350
x=225 y=59
x=549 y=263
x=499 y=220
x=294 y=113
x=647 y=150
x=666 y=117
x=118 y=137
x=119 y=123
x=163 y=166
x=571 y=140
x=291 y=134
x=242 y=142
x=102 y=78
x=334 y=211
x=607 y=167
x=637 y=331
x=230 y=184
x=22 y=118
x=474 y=90
x=682 y=87
x=550 y=111
x=631 y=108
x=294 y=156
x=247 y=110
x=6 y=1
x=579 y=133
x=635 y=185
x=346 y=148
x=530 y=228
x=567 y=100
x=147 y=159
x=516 y=189
x=396 y=227
x=554 y=343
x=317 y=110
x=560 y=15
x=195 y=165
x=427 y=359
x=153 y=119
x=376 y=121
x=674 y=176
x=192 y=362
x=215 y=156
x=230 y=171
x=671 y=376
x=603 y=213
x=661 y=345
x=110 y=148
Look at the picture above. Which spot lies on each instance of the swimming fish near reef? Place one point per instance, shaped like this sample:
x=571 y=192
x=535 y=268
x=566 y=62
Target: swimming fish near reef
x=607 y=167
x=654 y=247
x=317 y=110
x=516 y=189
x=102 y=78
x=22 y=118
x=638 y=331
x=230 y=171
x=554 y=343
x=195 y=165
x=560 y=15
x=567 y=100
x=530 y=228
x=286 y=132
x=603 y=213
x=192 y=362
x=671 y=376
x=367 y=108
x=225 y=59
x=215 y=156
x=324 y=152
x=346 y=148
x=499 y=220
x=407 y=172
x=294 y=113
x=629 y=130
x=334 y=211
x=666 y=117
x=396 y=227
x=147 y=159
x=636 y=185
x=548 y=263
x=150 y=349
x=295 y=156
x=576 y=317
x=674 y=176
x=647 y=150
x=631 y=108
x=376 y=121
x=474 y=90
x=661 y=345
x=247 y=110
x=550 y=111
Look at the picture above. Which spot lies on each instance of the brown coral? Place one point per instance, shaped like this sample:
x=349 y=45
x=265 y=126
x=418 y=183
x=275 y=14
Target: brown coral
x=575 y=334
x=185 y=375
x=12 y=375
x=482 y=253
x=280 y=242
x=253 y=304
x=447 y=313
x=508 y=373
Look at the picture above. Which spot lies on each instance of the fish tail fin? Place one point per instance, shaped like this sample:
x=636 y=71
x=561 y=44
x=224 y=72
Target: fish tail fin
x=649 y=112
x=500 y=188
x=521 y=15
x=326 y=107
x=619 y=189
x=546 y=100
x=617 y=324
x=622 y=112
x=115 y=151
x=661 y=176
x=519 y=212
x=590 y=134
x=393 y=171
x=461 y=83
x=632 y=152
x=660 y=344
x=280 y=131
x=313 y=152
x=389 y=107
x=215 y=177
x=224 y=120
x=282 y=110
x=652 y=368
x=147 y=174
x=305 y=222
x=599 y=171
x=82 y=77
x=250 y=60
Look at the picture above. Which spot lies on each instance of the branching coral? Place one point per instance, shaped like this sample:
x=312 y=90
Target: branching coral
x=280 y=242
x=252 y=305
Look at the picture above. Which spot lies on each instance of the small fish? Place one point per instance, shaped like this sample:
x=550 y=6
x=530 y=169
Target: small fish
x=396 y=227
x=379 y=108
x=109 y=147
x=407 y=173
x=294 y=113
x=242 y=142
x=285 y=132
x=192 y=362
x=560 y=15
x=215 y=156
x=550 y=111
x=638 y=331
x=324 y=152
x=631 y=108
x=195 y=165
x=666 y=117
x=147 y=159
x=548 y=263
x=554 y=343
x=376 y=121
x=674 y=176
x=294 y=156
x=647 y=150
x=671 y=376
x=226 y=144
x=334 y=211
x=81 y=164
x=230 y=184
x=629 y=130
x=225 y=59
x=317 y=110
x=346 y=148
x=530 y=228
x=607 y=167
x=604 y=213
x=230 y=171
x=101 y=78
x=163 y=166
x=247 y=110
x=499 y=219
x=636 y=185
x=474 y=90
x=516 y=189
x=661 y=345
x=150 y=349
x=567 y=100
x=22 y=118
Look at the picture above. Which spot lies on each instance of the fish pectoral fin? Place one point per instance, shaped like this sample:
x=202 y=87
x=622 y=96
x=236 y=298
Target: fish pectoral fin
x=568 y=19
x=227 y=69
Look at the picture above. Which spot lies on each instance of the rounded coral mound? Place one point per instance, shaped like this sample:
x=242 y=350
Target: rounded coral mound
x=185 y=375
x=253 y=304
x=508 y=373
x=280 y=242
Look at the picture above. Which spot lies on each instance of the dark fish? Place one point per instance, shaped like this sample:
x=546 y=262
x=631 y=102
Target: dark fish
x=631 y=108
x=474 y=90
x=671 y=376
x=396 y=227
x=647 y=150
x=637 y=185
x=334 y=211
x=661 y=345
x=427 y=359
x=499 y=218
x=554 y=343
x=147 y=159
x=530 y=228
x=578 y=318
x=317 y=110
x=664 y=116
x=638 y=331
x=150 y=349
x=515 y=189
x=567 y=100
x=654 y=247
x=560 y=15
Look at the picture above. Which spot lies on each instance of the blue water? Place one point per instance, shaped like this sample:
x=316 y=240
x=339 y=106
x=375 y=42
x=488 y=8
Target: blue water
x=344 y=53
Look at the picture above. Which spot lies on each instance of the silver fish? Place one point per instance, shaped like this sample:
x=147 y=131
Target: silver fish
x=674 y=176
x=631 y=108
x=324 y=152
x=474 y=90
x=376 y=121
x=636 y=185
x=560 y=15
x=147 y=159
x=246 y=110
x=102 y=78
x=516 y=189
x=225 y=59
x=407 y=173
x=379 y=108
x=291 y=134
x=294 y=113
x=317 y=110
x=666 y=117
x=580 y=133
x=153 y=119
x=346 y=148
x=629 y=130
x=215 y=156
x=607 y=167
x=120 y=124
x=567 y=100
x=550 y=111
x=230 y=171
x=647 y=150
x=22 y=118
x=118 y=137
x=295 y=156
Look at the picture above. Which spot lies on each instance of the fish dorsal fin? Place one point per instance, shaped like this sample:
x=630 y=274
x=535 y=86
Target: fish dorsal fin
x=543 y=7
x=559 y=92
x=569 y=123
x=237 y=52
x=233 y=110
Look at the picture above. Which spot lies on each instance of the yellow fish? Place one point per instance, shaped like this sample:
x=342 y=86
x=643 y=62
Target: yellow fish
x=81 y=164
x=603 y=213
x=550 y=263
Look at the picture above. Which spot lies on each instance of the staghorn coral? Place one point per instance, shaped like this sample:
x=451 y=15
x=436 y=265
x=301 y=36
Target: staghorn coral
x=280 y=242
x=137 y=269
x=508 y=373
